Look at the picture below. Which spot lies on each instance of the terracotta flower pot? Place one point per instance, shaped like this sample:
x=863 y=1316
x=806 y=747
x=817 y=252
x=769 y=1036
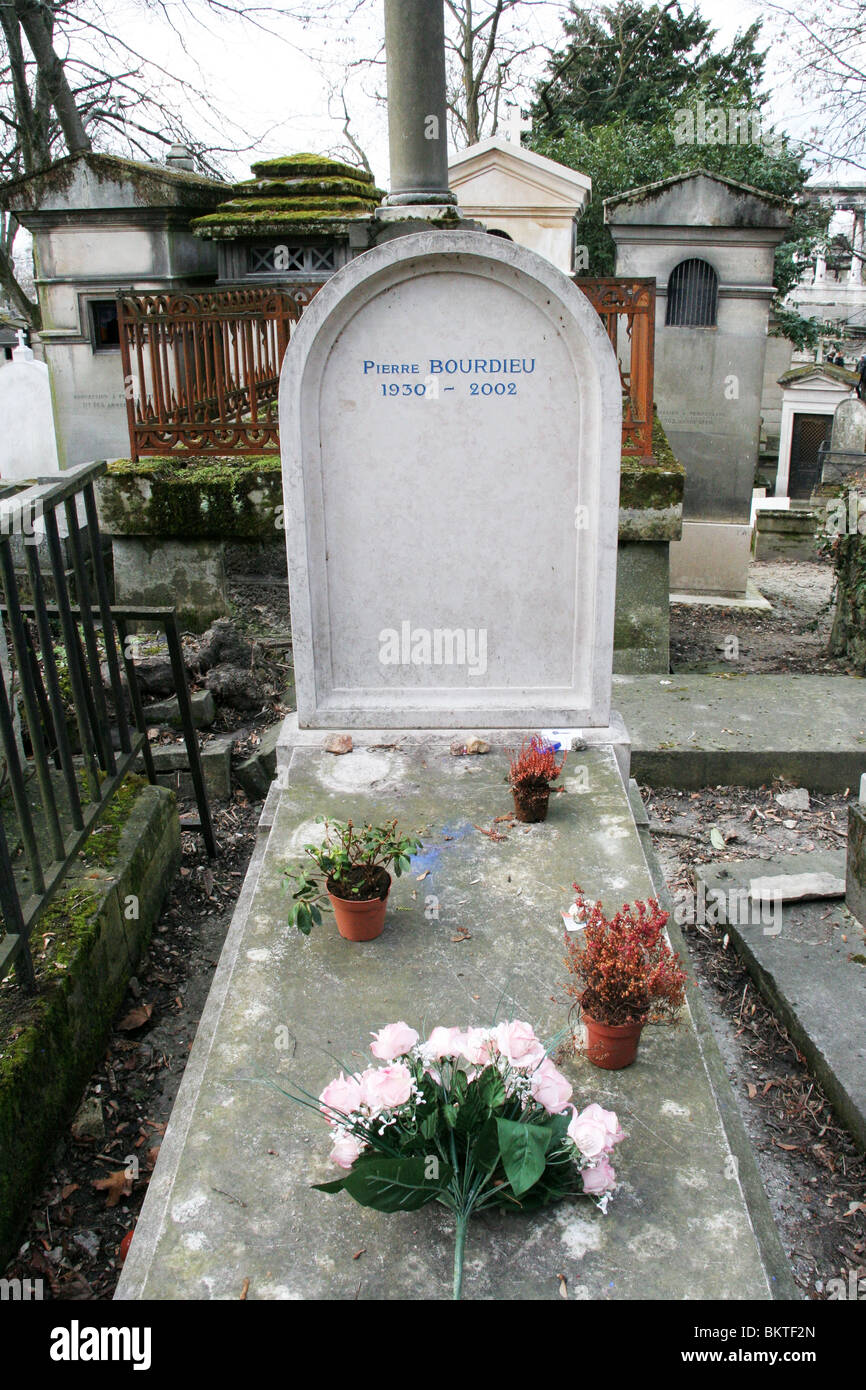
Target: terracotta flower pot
x=530 y=804
x=360 y=919
x=611 y=1045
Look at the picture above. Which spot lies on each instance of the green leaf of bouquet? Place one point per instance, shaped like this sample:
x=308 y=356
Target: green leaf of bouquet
x=396 y=1184
x=524 y=1153
x=557 y=1128
x=336 y=1186
x=485 y=1152
x=490 y=1088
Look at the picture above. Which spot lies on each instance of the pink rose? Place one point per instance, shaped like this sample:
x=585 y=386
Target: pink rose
x=519 y=1045
x=395 y=1040
x=550 y=1088
x=589 y=1133
x=384 y=1088
x=598 y=1180
x=443 y=1042
x=477 y=1046
x=346 y=1150
x=342 y=1094
x=608 y=1119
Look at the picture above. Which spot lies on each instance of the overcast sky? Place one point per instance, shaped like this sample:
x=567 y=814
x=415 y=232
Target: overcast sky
x=278 y=93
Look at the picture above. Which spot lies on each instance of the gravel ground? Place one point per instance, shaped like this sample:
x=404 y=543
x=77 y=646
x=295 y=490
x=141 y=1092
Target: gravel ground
x=793 y=637
x=811 y=1169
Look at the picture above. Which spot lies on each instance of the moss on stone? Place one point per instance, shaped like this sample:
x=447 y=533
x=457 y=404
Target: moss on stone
x=191 y=498
x=305 y=194
x=49 y=1041
x=311 y=166
x=307 y=188
x=662 y=451
x=148 y=180
x=320 y=206
x=265 y=222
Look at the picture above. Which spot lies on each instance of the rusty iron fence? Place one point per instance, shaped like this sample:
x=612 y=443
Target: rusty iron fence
x=627 y=308
x=67 y=669
x=201 y=370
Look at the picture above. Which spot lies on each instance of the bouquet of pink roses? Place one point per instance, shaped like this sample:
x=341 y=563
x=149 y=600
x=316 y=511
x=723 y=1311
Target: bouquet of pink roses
x=472 y=1118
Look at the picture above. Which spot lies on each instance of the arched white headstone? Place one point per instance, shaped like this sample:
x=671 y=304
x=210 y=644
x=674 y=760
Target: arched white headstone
x=450 y=425
x=28 y=447
x=849 y=427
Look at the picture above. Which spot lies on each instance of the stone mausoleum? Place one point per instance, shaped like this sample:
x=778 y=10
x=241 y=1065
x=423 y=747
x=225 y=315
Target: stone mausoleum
x=710 y=244
x=102 y=224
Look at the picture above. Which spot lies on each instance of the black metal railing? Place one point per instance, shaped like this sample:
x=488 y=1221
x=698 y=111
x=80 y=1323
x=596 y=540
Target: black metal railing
x=66 y=743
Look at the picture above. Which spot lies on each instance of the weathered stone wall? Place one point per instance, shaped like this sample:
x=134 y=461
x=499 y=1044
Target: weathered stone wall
x=848 y=551
x=50 y=1043
x=178 y=528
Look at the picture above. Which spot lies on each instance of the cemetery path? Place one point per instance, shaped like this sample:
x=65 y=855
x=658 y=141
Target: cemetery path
x=793 y=637
x=811 y=1170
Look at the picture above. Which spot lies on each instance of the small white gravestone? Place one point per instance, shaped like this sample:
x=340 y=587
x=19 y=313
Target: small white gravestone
x=849 y=427
x=28 y=448
x=450 y=419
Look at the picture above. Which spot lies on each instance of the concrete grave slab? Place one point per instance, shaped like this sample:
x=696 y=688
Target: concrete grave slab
x=804 y=958
x=738 y=730
x=855 y=894
x=230 y=1198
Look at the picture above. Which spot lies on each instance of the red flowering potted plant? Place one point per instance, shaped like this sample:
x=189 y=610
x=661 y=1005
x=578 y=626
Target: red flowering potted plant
x=352 y=866
x=623 y=975
x=531 y=772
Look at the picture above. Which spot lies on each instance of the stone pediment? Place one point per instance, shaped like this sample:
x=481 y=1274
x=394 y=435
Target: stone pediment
x=498 y=174
x=698 y=199
x=813 y=376
x=99 y=182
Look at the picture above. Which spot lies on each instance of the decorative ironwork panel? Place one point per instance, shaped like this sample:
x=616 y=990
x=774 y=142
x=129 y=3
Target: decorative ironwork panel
x=627 y=308
x=202 y=370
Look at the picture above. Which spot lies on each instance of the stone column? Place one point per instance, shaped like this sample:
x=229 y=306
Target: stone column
x=417 y=118
x=855 y=274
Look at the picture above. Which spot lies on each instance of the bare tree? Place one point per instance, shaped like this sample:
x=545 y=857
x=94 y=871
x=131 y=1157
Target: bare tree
x=493 y=49
x=69 y=80
x=826 y=48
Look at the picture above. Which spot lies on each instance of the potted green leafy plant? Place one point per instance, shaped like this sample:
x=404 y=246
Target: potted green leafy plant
x=623 y=975
x=532 y=770
x=351 y=875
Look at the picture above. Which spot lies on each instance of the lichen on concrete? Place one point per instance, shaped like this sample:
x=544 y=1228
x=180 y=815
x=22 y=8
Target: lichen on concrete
x=91 y=941
x=192 y=498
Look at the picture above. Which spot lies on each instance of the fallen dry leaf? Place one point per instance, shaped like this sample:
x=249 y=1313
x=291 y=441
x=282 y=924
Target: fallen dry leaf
x=136 y=1018
x=116 y=1185
x=245 y=1288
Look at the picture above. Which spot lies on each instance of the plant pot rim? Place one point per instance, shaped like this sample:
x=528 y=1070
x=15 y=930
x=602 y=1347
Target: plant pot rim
x=330 y=888
x=597 y=1023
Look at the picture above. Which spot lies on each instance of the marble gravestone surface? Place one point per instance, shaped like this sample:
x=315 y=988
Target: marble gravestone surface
x=849 y=427
x=450 y=416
